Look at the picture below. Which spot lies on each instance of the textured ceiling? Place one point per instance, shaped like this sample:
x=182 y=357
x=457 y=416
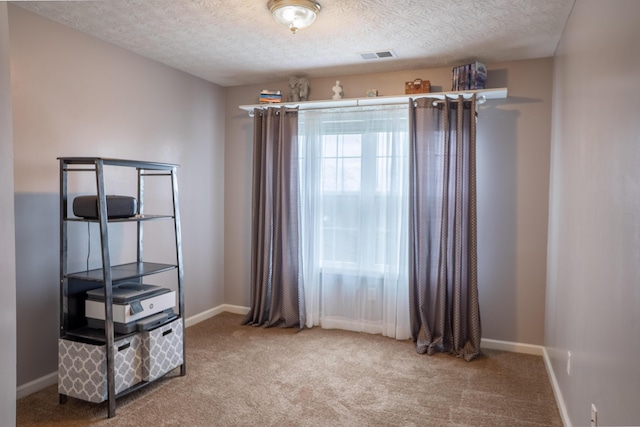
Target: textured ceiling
x=235 y=42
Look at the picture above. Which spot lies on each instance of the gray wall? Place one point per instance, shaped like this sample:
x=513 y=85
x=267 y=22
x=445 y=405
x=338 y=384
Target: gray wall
x=74 y=95
x=593 y=292
x=513 y=182
x=7 y=260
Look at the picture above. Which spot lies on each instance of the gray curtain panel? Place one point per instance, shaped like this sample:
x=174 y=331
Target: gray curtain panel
x=277 y=296
x=443 y=284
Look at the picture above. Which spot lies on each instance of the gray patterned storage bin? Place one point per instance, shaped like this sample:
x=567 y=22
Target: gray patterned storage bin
x=82 y=368
x=162 y=350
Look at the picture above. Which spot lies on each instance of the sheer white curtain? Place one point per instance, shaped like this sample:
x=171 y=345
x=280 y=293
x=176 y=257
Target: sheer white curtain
x=354 y=218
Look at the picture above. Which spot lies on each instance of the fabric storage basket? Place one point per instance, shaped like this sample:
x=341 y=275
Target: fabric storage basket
x=162 y=350
x=82 y=368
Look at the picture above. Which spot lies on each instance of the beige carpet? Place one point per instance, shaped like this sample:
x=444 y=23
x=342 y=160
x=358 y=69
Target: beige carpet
x=246 y=376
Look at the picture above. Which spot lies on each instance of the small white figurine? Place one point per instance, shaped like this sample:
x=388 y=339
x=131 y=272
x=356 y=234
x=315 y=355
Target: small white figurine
x=337 y=91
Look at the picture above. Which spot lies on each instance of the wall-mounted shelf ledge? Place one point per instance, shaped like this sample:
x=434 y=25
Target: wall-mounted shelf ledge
x=482 y=95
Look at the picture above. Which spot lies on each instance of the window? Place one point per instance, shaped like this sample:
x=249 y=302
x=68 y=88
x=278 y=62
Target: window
x=358 y=158
x=354 y=215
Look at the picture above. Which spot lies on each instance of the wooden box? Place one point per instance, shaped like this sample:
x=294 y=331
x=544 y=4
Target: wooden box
x=417 y=86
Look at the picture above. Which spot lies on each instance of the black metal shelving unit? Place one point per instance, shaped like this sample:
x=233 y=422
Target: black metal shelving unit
x=73 y=286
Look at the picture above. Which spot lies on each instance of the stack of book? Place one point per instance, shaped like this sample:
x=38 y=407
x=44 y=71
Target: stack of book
x=469 y=77
x=270 y=96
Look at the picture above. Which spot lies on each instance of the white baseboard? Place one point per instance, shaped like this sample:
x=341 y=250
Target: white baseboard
x=208 y=314
x=514 y=347
x=37 y=385
x=562 y=408
x=536 y=350
x=236 y=309
x=190 y=321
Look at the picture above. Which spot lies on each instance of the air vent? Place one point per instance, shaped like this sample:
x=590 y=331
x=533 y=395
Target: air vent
x=385 y=54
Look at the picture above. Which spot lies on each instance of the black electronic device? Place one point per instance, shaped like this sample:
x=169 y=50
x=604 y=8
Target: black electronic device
x=117 y=207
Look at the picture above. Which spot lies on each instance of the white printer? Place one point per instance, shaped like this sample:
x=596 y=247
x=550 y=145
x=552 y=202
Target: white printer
x=133 y=304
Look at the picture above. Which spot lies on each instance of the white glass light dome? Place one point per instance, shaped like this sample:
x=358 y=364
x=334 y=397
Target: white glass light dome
x=294 y=14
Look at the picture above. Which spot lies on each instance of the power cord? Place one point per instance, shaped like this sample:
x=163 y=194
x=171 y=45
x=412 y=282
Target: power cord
x=89 y=247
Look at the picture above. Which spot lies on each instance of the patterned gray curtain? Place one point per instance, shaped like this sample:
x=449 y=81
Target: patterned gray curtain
x=277 y=296
x=443 y=284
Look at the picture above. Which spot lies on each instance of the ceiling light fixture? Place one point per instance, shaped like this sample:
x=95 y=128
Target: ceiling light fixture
x=294 y=14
